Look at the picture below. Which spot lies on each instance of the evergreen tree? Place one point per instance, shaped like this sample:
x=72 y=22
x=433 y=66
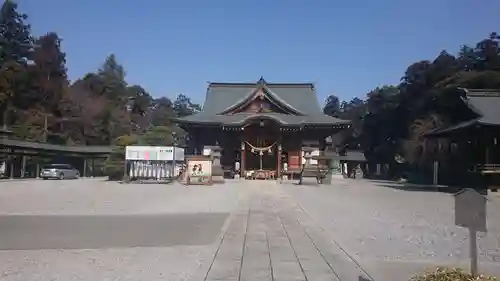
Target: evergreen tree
x=16 y=45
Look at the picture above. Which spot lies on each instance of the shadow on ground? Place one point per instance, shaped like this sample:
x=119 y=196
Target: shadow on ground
x=33 y=232
x=425 y=188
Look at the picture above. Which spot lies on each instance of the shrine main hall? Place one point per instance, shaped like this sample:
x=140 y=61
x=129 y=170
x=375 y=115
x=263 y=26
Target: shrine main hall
x=263 y=126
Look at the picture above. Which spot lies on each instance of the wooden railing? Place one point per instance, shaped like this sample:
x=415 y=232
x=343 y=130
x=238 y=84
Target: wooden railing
x=487 y=168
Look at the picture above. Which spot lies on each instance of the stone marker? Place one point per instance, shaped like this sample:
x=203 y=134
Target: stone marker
x=359 y=173
x=217 y=171
x=470 y=212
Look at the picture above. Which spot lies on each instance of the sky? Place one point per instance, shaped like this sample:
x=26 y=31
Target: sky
x=346 y=48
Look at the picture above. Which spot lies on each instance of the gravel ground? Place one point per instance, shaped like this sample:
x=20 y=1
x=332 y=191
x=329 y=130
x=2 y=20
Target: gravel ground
x=369 y=221
x=372 y=221
x=98 y=198
x=172 y=263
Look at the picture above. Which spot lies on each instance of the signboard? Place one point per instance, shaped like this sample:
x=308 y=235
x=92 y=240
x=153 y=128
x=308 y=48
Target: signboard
x=6 y=150
x=140 y=153
x=154 y=153
x=470 y=210
x=199 y=170
x=207 y=151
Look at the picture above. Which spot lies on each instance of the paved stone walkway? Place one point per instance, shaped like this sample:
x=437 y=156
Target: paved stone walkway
x=270 y=238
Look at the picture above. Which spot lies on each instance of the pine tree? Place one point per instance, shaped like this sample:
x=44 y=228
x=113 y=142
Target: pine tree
x=16 y=46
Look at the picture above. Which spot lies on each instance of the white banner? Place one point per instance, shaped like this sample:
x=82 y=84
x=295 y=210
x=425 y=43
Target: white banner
x=154 y=153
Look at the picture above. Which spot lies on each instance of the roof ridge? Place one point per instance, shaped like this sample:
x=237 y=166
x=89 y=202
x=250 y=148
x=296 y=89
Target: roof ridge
x=484 y=94
x=481 y=92
x=229 y=84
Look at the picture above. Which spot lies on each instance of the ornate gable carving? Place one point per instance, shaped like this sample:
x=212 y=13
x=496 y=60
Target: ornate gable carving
x=259 y=103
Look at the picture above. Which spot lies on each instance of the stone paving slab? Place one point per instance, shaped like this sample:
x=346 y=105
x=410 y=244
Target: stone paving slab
x=275 y=242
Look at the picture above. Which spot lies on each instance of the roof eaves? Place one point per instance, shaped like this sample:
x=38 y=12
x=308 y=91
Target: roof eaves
x=481 y=92
x=441 y=131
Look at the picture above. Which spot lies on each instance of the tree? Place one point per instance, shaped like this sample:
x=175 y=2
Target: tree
x=184 y=107
x=16 y=43
x=140 y=100
x=488 y=53
x=158 y=136
x=112 y=76
x=332 y=106
x=48 y=74
x=162 y=112
x=116 y=160
x=16 y=46
x=12 y=80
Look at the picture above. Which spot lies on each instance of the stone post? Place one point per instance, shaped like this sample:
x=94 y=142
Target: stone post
x=23 y=166
x=84 y=167
x=242 y=164
x=278 y=165
x=217 y=171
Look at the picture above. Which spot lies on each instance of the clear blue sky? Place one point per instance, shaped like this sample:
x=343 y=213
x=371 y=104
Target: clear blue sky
x=345 y=47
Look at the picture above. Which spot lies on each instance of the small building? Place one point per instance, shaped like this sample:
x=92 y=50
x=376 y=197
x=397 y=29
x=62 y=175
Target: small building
x=261 y=125
x=475 y=141
x=15 y=156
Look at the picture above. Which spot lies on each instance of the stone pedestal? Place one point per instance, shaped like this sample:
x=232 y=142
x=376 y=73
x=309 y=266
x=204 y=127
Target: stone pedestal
x=359 y=173
x=334 y=165
x=217 y=171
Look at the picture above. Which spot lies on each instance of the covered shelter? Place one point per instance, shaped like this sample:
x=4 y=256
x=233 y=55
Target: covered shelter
x=349 y=161
x=15 y=153
x=260 y=125
x=477 y=137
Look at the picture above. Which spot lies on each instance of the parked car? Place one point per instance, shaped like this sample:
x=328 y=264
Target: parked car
x=59 y=171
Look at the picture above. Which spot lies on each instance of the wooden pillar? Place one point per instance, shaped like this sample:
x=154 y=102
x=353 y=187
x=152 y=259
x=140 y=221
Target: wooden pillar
x=125 y=172
x=242 y=164
x=435 y=173
x=487 y=155
x=84 y=167
x=12 y=167
x=23 y=166
x=278 y=168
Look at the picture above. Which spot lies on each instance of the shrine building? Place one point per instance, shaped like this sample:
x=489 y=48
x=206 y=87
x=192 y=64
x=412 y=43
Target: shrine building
x=262 y=126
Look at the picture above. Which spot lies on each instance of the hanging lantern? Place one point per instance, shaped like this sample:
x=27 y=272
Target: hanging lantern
x=261 y=153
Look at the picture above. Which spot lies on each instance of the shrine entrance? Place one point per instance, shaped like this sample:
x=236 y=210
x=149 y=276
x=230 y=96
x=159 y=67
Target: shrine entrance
x=262 y=154
x=261 y=143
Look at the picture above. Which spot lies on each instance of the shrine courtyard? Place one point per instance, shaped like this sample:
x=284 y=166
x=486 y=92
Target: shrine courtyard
x=241 y=230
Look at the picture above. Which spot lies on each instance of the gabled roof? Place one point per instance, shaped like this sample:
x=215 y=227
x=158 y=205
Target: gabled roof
x=298 y=98
x=485 y=104
x=273 y=97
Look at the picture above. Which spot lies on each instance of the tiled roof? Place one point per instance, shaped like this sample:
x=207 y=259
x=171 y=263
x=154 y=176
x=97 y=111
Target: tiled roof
x=299 y=98
x=485 y=104
x=284 y=119
x=56 y=148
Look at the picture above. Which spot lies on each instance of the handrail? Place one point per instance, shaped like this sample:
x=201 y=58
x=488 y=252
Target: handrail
x=487 y=166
